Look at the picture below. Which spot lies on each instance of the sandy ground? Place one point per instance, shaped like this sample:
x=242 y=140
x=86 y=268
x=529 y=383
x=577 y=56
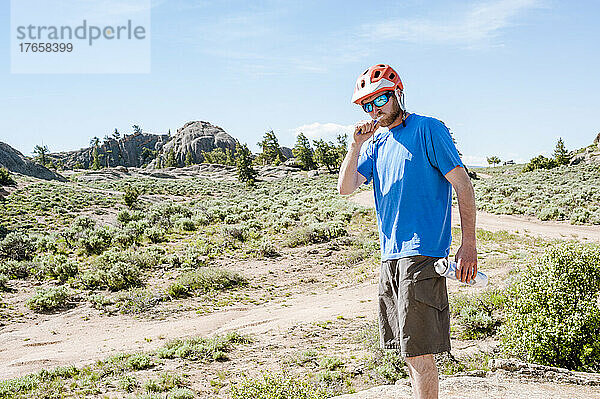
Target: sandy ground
x=512 y=223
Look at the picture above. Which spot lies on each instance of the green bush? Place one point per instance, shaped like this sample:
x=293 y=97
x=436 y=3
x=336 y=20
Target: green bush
x=15 y=269
x=4 y=282
x=478 y=313
x=552 y=312
x=131 y=196
x=273 y=386
x=17 y=246
x=540 y=162
x=181 y=393
x=185 y=224
x=47 y=299
x=202 y=349
x=140 y=361
x=316 y=233
x=5 y=178
x=56 y=266
x=114 y=270
x=156 y=234
x=204 y=279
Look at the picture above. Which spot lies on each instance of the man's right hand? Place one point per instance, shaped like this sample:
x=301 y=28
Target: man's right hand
x=364 y=130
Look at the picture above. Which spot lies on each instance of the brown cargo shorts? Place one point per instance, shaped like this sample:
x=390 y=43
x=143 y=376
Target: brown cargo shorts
x=414 y=315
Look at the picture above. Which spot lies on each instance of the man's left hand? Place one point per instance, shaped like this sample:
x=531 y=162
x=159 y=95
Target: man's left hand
x=466 y=259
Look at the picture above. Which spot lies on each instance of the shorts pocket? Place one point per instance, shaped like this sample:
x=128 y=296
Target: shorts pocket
x=432 y=291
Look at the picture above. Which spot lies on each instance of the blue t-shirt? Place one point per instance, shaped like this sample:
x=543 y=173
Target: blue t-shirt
x=413 y=199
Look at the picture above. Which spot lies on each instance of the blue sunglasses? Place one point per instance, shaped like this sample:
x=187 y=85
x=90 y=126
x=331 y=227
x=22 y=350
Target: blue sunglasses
x=379 y=101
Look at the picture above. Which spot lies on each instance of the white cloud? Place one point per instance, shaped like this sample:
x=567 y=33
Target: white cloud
x=326 y=131
x=474 y=27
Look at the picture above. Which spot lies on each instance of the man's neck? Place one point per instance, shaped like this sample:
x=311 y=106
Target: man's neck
x=399 y=120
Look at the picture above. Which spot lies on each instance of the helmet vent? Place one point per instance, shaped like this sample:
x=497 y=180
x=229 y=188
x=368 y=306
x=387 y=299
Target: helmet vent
x=381 y=65
x=376 y=75
x=392 y=76
x=365 y=72
x=362 y=83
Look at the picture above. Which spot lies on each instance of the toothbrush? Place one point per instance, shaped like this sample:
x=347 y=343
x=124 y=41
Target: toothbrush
x=376 y=122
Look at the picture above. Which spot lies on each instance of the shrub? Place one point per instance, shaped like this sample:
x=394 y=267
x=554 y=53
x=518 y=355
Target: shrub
x=550 y=213
x=478 y=313
x=5 y=178
x=273 y=386
x=140 y=361
x=181 y=393
x=56 y=266
x=156 y=234
x=17 y=246
x=125 y=216
x=3 y=232
x=137 y=300
x=540 y=162
x=95 y=241
x=131 y=196
x=316 y=233
x=128 y=383
x=46 y=299
x=113 y=270
x=4 y=282
x=552 y=312
x=204 y=279
x=16 y=269
x=202 y=349
x=185 y=224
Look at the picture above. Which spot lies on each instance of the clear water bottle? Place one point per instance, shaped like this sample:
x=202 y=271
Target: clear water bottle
x=447 y=268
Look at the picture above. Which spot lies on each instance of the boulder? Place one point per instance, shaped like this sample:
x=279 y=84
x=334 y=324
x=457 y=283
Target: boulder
x=16 y=162
x=195 y=138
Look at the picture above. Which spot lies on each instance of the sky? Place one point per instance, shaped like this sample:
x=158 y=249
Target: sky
x=508 y=77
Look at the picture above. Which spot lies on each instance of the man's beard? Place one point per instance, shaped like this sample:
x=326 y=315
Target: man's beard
x=391 y=118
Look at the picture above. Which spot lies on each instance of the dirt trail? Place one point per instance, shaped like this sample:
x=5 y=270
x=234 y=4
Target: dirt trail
x=511 y=223
x=79 y=336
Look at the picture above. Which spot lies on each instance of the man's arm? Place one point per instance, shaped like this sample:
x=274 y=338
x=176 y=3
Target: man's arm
x=349 y=179
x=466 y=256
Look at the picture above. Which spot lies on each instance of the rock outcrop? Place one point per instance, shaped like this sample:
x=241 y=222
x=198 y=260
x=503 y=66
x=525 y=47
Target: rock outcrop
x=133 y=150
x=16 y=162
x=194 y=138
x=589 y=154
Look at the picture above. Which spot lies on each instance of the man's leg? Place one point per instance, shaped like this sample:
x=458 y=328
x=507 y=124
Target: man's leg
x=423 y=376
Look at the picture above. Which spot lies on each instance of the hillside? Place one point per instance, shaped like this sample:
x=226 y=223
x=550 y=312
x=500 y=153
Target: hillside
x=207 y=281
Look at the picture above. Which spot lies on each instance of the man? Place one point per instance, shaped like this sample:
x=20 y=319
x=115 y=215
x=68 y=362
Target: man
x=413 y=167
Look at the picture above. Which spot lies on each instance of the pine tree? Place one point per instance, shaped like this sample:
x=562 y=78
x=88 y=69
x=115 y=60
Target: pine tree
x=342 y=148
x=189 y=160
x=561 y=155
x=137 y=129
x=171 y=161
x=326 y=154
x=493 y=160
x=229 y=158
x=271 y=152
x=40 y=151
x=95 y=142
x=303 y=152
x=116 y=135
x=95 y=159
x=243 y=163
